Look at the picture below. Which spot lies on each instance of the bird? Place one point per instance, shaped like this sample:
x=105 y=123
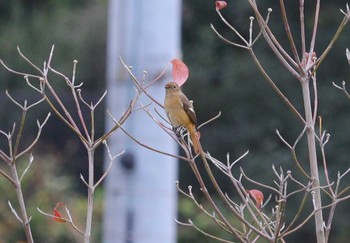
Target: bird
x=180 y=112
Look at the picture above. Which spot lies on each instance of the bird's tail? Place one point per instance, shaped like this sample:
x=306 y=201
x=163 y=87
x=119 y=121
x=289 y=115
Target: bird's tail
x=195 y=141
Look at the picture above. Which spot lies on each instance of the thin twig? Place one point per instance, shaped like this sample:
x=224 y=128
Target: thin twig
x=343 y=88
x=289 y=32
x=14 y=212
x=207 y=234
x=111 y=159
x=30 y=162
x=8 y=177
x=143 y=144
x=40 y=127
x=334 y=39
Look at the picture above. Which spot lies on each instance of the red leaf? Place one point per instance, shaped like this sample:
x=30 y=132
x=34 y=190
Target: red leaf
x=180 y=72
x=220 y=5
x=58 y=214
x=258 y=197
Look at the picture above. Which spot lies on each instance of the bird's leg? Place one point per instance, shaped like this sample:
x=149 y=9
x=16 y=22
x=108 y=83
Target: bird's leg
x=177 y=130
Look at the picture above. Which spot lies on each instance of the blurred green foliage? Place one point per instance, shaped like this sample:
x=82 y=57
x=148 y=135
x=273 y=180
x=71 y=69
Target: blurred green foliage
x=43 y=186
x=223 y=78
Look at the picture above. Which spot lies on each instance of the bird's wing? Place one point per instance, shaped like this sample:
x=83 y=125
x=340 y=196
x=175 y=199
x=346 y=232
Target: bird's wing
x=188 y=107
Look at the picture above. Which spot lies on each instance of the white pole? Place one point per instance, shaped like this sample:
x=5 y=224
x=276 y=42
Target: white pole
x=140 y=193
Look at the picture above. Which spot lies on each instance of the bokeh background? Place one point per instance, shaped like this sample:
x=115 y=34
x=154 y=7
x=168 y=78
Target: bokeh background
x=222 y=78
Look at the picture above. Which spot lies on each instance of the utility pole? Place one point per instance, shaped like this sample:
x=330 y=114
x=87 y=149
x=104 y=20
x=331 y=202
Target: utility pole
x=140 y=191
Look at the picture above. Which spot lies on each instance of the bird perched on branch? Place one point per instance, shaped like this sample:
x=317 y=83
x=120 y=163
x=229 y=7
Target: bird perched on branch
x=180 y=112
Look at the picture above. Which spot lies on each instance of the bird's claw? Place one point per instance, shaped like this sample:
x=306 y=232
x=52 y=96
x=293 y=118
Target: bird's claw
x=177 y=131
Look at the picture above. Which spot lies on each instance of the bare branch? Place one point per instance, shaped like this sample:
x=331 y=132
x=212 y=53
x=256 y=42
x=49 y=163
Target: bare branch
x=28 y=61
x=232 y=28
x=343 y=88
x=69 y=219
x=14 y=212
x=274 y=86
x=145 y=145
x=139 y=87
x=289 y=33
x=200 y=206
x=18 y=73
x=40 y=127
x=226 y=40
x=30 y=162
x=111 y=159
x=8 y=177
x=72 y=222
x=207 y=234
x=258 y=183
x=275 y=46
x=92 y=107
x=335 y=38
x=210 y=120
x=84 y=181
x=314 y=32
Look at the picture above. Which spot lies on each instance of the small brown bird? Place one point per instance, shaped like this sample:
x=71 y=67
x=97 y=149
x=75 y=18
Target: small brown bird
x=180 y=112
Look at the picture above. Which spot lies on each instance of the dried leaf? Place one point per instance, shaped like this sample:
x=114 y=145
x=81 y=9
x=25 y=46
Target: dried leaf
x=258 y=196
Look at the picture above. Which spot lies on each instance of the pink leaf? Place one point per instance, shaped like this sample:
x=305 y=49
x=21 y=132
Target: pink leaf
x=180 y=72
x=220 y=5
x=258 y=196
